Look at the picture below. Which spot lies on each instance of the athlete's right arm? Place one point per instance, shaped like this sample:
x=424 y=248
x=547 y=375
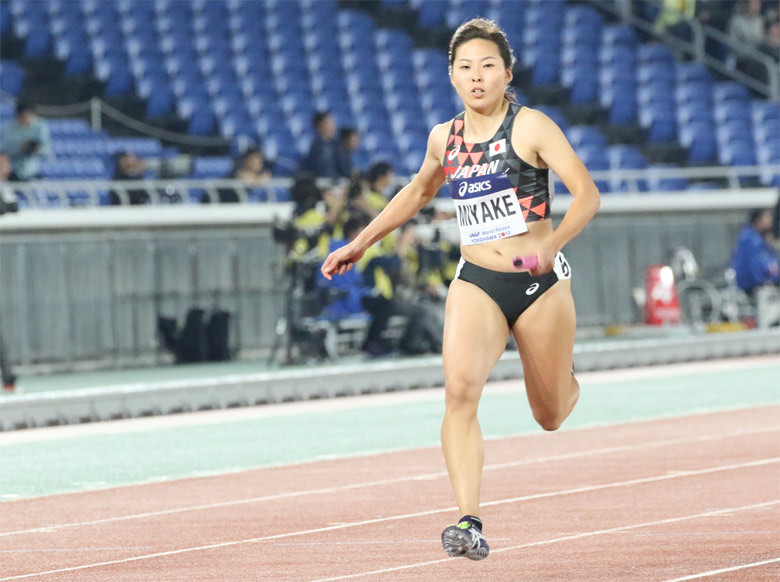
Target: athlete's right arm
x=401 y=208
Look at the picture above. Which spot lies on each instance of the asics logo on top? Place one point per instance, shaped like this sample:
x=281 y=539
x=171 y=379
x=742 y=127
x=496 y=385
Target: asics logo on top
x=473 y=188
x=532 y=289
x=453 y=153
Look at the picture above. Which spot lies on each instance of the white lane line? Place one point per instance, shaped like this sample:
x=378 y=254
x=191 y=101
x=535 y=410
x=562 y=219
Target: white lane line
x=665 y=477
x=396 y=480
x=724 y=570
x=570 y=538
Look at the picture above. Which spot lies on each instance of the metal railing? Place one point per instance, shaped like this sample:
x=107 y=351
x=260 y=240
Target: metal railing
x=47 y=193
x=696 y=49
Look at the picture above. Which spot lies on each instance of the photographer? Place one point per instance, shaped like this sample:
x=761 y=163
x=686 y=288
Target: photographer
x=393 y=277
x=26 y=140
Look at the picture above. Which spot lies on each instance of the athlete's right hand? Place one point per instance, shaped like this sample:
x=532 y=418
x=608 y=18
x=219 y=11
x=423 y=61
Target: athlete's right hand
x=341 y=260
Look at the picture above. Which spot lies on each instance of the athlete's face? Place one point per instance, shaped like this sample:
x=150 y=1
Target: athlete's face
x=478 y=73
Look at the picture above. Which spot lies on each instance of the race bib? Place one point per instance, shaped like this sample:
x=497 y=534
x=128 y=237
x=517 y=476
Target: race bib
x=487 y=209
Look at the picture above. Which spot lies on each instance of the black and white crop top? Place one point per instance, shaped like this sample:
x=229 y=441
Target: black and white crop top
x=495 y=191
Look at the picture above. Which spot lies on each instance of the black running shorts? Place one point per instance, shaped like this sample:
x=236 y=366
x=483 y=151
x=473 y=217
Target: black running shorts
x=513 y=292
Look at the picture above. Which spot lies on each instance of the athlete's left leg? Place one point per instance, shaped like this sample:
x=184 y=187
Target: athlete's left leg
x=545 y=339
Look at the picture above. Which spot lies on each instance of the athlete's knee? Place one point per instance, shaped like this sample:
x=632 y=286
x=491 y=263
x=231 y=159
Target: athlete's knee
x=551 y=414
x=549 y=422
x=462 y=394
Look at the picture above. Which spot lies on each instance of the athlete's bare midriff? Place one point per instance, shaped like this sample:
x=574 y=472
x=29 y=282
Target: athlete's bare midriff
x=498 y=255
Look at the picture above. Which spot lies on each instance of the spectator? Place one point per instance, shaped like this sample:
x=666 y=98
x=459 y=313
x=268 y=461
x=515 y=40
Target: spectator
x=252 y=168
x=26 y=140
x=129 y=167
x=386 y=273
x=674 y=18
x=379 y=183
x=771 y=43
x=715 y=13
x=349 y=289
x=8 y=198
x=322 y=160
x=747 y=23
x=349 y=138
x=374 y=287
x=754 y=260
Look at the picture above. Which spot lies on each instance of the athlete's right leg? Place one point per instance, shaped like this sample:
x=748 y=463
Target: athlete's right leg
x=475 y=336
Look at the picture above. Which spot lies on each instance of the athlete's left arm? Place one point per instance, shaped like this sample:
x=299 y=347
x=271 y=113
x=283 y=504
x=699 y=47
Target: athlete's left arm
x=551 y=145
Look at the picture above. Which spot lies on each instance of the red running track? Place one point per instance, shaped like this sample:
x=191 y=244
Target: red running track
x=689 y=498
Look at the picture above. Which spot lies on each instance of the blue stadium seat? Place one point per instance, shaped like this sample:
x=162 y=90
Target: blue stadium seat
x=579 y=15
x=655 y=73
x=620 y=100
x=766 y=132
x=143 y=147
x=768 y=153
x=583 y=85
x=74 y=169
x=660 y=123
x=734 y=131
x=586 y=136
x=212 y=167
x=626 y=157
x=765 y=110
x=621 y=35
x=5 y=19
x=657 y=183
x=231 y=126
x=12 y=76
x=731 y=111
x=694 y=92
x=737 y=153
x=651 y=95
x=692 y=72
x=730 y=91
x=432 y=14
x=701 y=141
x=658 y=54
x=68 y=127
x=689 y=113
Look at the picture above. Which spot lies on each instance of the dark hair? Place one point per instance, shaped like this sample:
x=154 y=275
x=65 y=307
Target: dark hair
x=22 y=107
x=346 y=132
x=378 y=170
x=305 y=193
x=486 y=30
x=354 y=224
x=756 y=214
x=319 y=117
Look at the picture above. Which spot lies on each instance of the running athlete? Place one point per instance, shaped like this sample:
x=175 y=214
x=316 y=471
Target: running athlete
x=496 y=157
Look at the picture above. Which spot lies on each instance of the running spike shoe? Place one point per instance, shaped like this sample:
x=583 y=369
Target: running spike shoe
x=465 y=539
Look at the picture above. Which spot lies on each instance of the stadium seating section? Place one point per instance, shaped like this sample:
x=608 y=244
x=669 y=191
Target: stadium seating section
x=261 y=69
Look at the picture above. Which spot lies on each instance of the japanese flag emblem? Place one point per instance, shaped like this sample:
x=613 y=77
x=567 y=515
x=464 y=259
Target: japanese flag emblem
x=497 y=147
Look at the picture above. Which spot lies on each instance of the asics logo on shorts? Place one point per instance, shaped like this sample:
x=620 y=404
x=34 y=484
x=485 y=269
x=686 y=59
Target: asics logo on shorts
x=532 y=289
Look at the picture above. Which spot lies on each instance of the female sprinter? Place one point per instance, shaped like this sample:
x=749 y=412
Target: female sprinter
x=496 y=157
